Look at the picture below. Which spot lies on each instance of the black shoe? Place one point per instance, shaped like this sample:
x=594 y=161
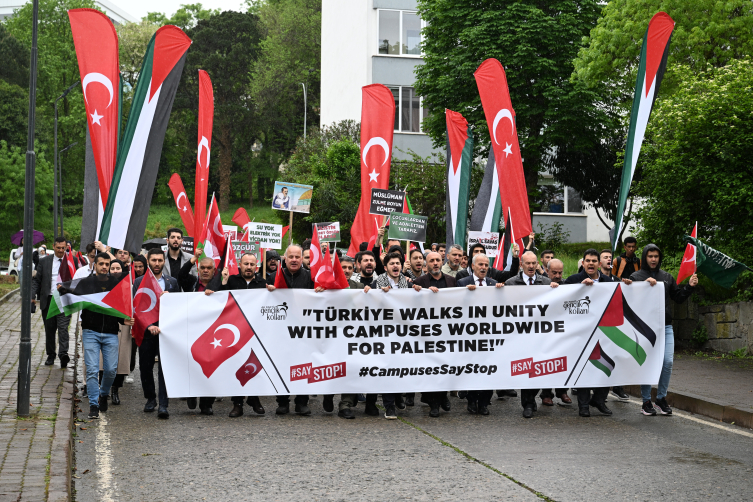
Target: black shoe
x=64 y=360
x=483 y=410
x=254 y=403
x=50 y=361
x=346 y=413
x=574 y=392
x=371 y=409
x=114 y=396
x=162 y=413
x=84 y=393
x=527 y=412
x=283 y=409
x=207 y=411
x=192 y=401
x=150 y=405
x=390 y=413
x=445 y=404
x=361 y=398
x=400 y=402
x=93 y=412
x=462 y=394
x=434 y=411
x=584 y=412
x=302 y=410
x=472 y=407
x=664 y=408
x=602 y=407
x=621 y=394
x=237 y=411
x=648 y=409
x=103 y=403
x=327 y=403
x=409 y=400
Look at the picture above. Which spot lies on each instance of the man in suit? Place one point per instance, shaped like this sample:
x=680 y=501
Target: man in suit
x=150 y=344
x=528 y=277
x=42 y=287
x=479 y=400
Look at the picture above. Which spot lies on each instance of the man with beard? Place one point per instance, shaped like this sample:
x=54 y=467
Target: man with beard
x=554 y=269
x=272 y=260
x=452 y=267
x=88 y=269
x=367 y=263
x=176 y=257
x=416 y=261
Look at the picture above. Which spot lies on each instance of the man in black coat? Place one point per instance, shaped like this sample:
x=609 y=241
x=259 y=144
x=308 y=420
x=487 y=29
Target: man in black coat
x=497 y=275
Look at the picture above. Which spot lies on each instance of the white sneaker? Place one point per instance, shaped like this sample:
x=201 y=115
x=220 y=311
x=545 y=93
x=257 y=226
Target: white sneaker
x=129 y=379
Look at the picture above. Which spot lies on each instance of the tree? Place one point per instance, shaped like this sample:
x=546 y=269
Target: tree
x=184 y=18
x=14 y=85
x=535 y=42
x=15 y=58
x=13 y=182
x=697 y=162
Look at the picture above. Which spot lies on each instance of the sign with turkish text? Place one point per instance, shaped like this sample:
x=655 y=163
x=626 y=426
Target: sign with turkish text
x=292 y=197
x=293 y=341
x=329 y=231
x=187 y=245
x=407 y=227
x=242 y=248
x=267 y=234
x=490 y=240
x=384 y=202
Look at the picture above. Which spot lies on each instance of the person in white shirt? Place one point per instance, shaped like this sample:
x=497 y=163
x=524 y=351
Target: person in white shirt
x=282 y=200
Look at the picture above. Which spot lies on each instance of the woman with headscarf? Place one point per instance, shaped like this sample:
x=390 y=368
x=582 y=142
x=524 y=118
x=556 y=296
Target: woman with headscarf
x=119 y=269
x=139 y=269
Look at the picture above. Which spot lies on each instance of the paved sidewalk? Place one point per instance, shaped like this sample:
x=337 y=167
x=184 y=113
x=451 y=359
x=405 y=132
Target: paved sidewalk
x=35 y=452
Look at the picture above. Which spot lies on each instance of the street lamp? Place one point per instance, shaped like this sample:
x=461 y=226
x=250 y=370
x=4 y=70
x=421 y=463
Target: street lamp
x=60 y=177
x=55 y=167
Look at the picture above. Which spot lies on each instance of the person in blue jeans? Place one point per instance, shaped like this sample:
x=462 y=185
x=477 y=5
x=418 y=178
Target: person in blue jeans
x=652 y=273
x=99 y=334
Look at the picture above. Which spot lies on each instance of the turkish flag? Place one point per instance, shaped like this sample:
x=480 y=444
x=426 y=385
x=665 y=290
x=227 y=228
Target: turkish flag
x=340 y=279
x=212 y=236
x=145 y=305
x=181 y=202
x=377 y=125
x=325 y=276
x=67 y=268
x=240 y=218
x=246 y=238
x=249 y=370
x=500 y=117
x=280 y=282
x=315 y=256
x=230 y=261
x=688 y=264
x=206 y=119
x=224 y=338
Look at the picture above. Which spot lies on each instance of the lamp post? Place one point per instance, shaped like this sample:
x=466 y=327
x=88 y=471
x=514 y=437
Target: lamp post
x=55 y=167
x=60 y=178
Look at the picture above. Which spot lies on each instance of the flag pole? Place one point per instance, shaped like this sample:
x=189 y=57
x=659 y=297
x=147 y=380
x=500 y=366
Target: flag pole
x=290 y=237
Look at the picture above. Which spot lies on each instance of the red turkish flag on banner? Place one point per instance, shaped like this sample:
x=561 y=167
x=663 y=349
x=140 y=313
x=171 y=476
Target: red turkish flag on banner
x=500 y=117
x=181 y=202
x=206 y=118
x=249 y=370
x=224 y=338
x=688 y=265
x=97 y=52
x=145 y=305
x=377 y=125
x=230 y=261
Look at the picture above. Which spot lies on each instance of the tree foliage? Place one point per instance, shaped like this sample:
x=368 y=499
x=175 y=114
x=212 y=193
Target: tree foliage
x=12 y=183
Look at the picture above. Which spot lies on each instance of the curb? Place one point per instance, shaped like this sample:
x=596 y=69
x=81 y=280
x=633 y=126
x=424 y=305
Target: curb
x=7 y=296
x=692 y=403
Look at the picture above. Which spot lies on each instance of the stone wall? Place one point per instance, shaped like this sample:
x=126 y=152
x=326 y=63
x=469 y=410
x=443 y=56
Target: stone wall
x=728 y=327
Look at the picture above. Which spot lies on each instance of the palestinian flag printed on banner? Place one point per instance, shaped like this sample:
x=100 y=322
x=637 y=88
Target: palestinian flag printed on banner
x=105 y=297
x=624 y=328
x=651 y=69
x=459 y=163
x=601 y=360
x=124 y=219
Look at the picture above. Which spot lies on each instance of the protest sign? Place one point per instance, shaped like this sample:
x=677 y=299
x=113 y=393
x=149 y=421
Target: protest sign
x=329 y=231
x=241 y=247
x=187 y=245
x=408 y=227
x=230 y=231
x=292 y=197
x=266 y=234
x=490 y=240
x=384 y=202
x=293 y=341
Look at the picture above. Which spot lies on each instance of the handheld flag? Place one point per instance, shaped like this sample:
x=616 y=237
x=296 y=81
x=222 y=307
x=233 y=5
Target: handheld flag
x=487 y=209
x=716 y=265
x=230 y=261
x=212 y=237
x=181 y=202
x=146 y=304
x=241 y=219
x=340 y=279
x=459 y=163
x=688 y=265
x=280 y=282
x=88 y=293
x=204 y=148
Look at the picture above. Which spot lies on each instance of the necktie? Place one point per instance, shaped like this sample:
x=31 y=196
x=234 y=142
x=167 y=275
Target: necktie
x=530 y=281
x=480 y=282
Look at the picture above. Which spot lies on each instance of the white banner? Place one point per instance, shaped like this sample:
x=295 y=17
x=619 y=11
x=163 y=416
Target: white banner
x=255 y=342
x=266 y=234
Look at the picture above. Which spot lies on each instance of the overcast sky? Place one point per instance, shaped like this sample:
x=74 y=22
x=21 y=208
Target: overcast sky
x=139 y=8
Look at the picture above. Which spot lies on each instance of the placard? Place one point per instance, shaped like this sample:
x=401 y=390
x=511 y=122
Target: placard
x=292 y=197
x=490 y=240
x=329 y=231
x=267 y=235
x=230 y=231
x=187 y=245
x=384 y=202
x=407 y=227
x=241 y=248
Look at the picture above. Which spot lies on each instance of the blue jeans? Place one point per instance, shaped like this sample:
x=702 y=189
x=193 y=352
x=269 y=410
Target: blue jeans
x=94 y=343
x=666 y=369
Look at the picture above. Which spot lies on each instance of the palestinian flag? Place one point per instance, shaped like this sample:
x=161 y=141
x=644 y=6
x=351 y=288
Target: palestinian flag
x=110 y=297
x=601 y=360
x=124 y=219
x=624 y=328
x=651 y=69
x=688 y=265
x=487 y=209
x=459 y=163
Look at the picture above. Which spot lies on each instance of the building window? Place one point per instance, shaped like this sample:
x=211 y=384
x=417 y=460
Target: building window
x=399 y=33
x=409 y=110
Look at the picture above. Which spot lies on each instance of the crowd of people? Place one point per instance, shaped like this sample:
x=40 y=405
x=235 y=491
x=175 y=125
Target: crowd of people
x=110 y=350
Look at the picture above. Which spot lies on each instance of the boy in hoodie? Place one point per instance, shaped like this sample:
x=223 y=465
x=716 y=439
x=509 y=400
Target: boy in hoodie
x=651 y=272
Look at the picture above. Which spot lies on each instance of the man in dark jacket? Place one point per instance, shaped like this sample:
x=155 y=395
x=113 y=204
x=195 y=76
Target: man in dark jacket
x=497 y=275
x=652 y=273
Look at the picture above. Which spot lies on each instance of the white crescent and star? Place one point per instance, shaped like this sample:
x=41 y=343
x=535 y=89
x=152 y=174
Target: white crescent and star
x=152 y=297
x=204 y=143
x=232 y=328
x=503 y=113
x=182 y=194
x=379 y=141
x=97 y=77
x=216 y=228
x=96 y=117
x=508 y=149
x=251 y=364
x=373 y=176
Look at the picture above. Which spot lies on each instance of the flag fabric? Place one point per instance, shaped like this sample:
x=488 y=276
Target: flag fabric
x=67 y=267
x=280 y=282
x=212 y=237
x=325 y=275
x=224 y=338
x=246 y=237
x=230 y=261
x=316 y=260
x=181 y=202
x=96 y=43
x=715 y=265
x=487 y=208
x=407 y=208
x=459 y=164
x=249 y=370
x=500 y=118
x=87 y=293
x=130 y=195
x=622 y=326
x=651 y=69
x=377 y=125
x=505 y=251
x=688 y=265
x=341 y=282
x=119 y=297
x=601 y=360
x=240 y=218
x=204 y=148
x=146 y=303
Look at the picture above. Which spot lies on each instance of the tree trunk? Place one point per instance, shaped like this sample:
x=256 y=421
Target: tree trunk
x=250 y=189
x=226 y=164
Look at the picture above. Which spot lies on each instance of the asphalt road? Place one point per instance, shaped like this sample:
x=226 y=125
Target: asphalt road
x=131 y=455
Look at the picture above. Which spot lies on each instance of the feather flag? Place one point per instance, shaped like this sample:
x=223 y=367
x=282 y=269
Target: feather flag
x=181 y=202
x=459 y=164
x=206 y=121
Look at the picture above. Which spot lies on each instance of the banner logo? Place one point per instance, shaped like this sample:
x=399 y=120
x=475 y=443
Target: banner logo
x=540 y=368
x=577 y=306
x=276 y=313
x=318 y=373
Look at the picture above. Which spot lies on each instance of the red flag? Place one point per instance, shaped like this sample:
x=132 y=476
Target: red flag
x=280 y=282
x=230 y=261
x=119 y=297
x=500 y=117
x=146 y=306
x=224 y=338
x=212 y=235
x=67 y=268
x=340 y=279
x=315 y=256
x=325 y=275
x=688 y=265
x=181 y=202
x=97 y=51
x=246 y=238
x=241 y=219
x=377 y=124
x=249 y=370
x=206 y=116
x=285 y=230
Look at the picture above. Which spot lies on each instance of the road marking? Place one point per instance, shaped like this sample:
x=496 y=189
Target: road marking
x=687 y=416
x=107 y=485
